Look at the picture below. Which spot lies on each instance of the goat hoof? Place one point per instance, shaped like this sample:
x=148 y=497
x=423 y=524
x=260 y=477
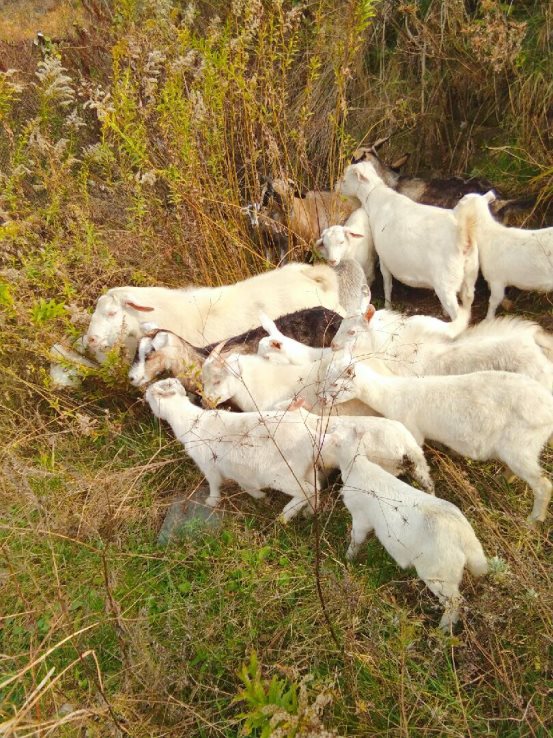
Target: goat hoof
x=533 y=523
x=212 y=501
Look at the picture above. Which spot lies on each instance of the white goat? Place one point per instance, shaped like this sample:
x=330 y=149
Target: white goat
x=281 y=349
x=418 y=345
x=485 y=415
x=256 y=450
x=204 y=315
x=415 y=528
x=353 y=240
x=509 y=256
x=253 y=383
x=421 y=245
x=385 y=442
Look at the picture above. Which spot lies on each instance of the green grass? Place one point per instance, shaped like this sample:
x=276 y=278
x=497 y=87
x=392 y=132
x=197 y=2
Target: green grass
x=102 y=632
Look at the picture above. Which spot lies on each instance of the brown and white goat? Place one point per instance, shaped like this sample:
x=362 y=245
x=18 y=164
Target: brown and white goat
x=161 y=351
x=284 y=211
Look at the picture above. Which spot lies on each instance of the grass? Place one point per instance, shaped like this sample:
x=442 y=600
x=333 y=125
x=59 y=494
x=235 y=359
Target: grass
x=128 y=161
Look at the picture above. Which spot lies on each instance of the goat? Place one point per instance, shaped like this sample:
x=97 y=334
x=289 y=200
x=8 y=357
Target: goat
x=163 y=351
x=206 y=314
x=509 y=256
x=252 y=383
x=484 y=415
x=306 y=215
x=256 y=450
x=421 y=245
x=353 y=240
x=418 y=346
x=415 y=528
x=444 y=192
x=384 y=442
x=281 y=349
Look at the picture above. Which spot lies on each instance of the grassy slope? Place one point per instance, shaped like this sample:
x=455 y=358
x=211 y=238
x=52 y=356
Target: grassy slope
x=103 y=633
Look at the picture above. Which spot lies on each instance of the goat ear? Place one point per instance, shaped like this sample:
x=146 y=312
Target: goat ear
x=370 y=311
x=140 y=308
x=360 y=154
x=296 y=404
x=352 y=233
x=501 y=208
x=161 y=340
x=360 y=176
x=319 y=242
x=490 y=196
x=398 y=163
x=148 y=327
x=380 y=142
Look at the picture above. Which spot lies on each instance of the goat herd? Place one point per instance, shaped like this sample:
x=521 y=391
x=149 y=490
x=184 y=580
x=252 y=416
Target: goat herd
x=360 y=393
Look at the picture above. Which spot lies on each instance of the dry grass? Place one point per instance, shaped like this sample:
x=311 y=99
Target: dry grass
x=22 y=19
x=102 y=632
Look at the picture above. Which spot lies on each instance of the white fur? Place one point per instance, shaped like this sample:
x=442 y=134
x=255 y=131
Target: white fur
x=253 y=383
x=415 y=528
x=484 y=415
x=353 y=240
x=256 y=450
x=509 y=256
x=385 y=442
x=281 y=349
x=203 y=315
x=421 y=245
x=418 y=345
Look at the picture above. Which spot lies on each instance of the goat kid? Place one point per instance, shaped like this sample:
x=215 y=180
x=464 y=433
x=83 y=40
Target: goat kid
x=415 y=528
x=256 y=450
x=353 y=240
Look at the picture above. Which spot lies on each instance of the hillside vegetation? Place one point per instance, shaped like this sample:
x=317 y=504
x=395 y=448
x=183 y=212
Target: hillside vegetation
x=131 y=136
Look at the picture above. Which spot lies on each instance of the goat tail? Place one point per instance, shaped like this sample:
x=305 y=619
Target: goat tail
x=545 y=342
x=466 y=223
x=477 y=563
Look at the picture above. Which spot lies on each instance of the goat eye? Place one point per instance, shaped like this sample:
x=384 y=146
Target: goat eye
x=351 y=332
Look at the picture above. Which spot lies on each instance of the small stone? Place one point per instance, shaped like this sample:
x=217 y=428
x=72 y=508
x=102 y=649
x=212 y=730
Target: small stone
x=189 y=516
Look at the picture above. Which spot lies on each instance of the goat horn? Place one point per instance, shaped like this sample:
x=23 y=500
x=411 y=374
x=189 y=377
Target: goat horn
x=379 y=142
